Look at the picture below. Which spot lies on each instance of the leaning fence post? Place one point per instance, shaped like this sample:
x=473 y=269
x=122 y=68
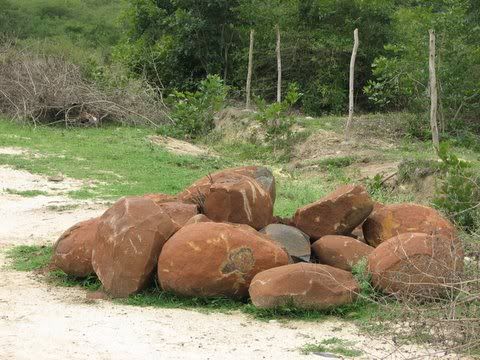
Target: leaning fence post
x=250 y=68
x=351 y=104
x=279 y=66
x=433 y=93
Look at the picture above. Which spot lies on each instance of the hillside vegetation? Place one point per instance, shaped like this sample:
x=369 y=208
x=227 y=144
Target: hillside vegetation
x=87 y=87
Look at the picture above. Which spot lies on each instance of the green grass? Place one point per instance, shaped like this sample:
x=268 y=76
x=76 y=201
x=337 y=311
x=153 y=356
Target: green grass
x=26 y=193
x=29 y=258
x=332 y=345
x=62 y=208
x=119 y=159
x=79 y=29
x=37 y=258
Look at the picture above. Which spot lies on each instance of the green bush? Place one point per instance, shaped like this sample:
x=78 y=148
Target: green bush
x=276 y=119
x=193 y=112
x=459 y=192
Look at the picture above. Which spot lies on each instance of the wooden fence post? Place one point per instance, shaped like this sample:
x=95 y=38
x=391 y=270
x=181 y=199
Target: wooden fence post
x=351 y=104
x=433 y=93
x=279 y=66
x=250 y=68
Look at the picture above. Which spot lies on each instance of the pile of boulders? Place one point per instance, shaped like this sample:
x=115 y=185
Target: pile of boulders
x=219 y=237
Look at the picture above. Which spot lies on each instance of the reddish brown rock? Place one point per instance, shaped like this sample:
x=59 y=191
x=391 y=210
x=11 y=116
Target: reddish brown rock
x=306 y=286
x=340 y=251
x=200 y=189
x=336 y=214
x=72 y=252
x=415 y=264
x=179 y=212
x=129 y=239
x=213 y=259
x=161 y=198
x=357 y=234
x=239 y=199
x=200 y=218
x=392 y=220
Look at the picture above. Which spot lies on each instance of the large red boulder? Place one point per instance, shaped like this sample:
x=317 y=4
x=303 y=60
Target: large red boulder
x=392 y=220
x=129 y=239
x=341 y=252
x=415 y=264
x=180 y=213
x=200 y=218
x=239 y=199
x=159 y=198
x=72 y=252
x=199 y=190
x=215 y=259
x=336 y=214
x=306 y=286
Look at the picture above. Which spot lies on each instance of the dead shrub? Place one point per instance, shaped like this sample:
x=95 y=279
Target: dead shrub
x=44 y=89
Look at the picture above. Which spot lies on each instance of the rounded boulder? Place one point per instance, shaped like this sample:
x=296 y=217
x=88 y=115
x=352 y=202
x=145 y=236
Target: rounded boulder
x=342 y=252
x=415 y=264
x=306 y=286
x=72 y=253
x=392 y=220
x=216 y=259
x=200 y=189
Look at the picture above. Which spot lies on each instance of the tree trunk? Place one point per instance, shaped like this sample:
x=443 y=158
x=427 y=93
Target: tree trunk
x=351 y=104
x=250 y=68
x=279 y=66
x=433 y=93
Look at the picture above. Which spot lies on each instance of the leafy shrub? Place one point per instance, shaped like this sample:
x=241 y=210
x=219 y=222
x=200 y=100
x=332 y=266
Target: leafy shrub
x=193 y=112
x=276 y=119
x=459 y=193
x=321 y=99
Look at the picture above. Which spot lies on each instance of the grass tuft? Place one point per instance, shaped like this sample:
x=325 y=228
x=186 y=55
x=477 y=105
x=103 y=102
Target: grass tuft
x=332 y=345
x=26 y=193
x=29 y=258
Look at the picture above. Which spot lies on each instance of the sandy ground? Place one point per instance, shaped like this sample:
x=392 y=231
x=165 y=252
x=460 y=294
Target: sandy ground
x=40 y=322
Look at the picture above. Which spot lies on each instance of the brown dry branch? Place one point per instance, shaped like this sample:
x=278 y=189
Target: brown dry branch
x=448 y=318
x=43 y=89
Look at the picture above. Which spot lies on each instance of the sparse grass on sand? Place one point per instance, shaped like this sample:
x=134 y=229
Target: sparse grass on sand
x=26 y=193
x=332 y=345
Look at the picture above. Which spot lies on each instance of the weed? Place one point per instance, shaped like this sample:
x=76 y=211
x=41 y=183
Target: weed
x=26 y=193
x=337 y=162
x=332 y=345
x=29 y=258
x=459 y=192
x=62 y=208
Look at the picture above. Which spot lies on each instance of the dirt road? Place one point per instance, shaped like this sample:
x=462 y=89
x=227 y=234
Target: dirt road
x=41 y=322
